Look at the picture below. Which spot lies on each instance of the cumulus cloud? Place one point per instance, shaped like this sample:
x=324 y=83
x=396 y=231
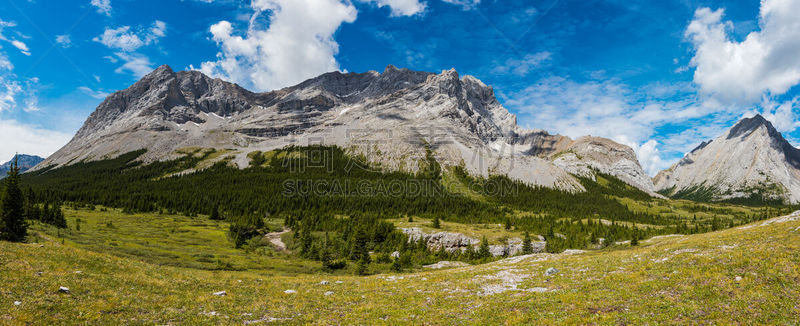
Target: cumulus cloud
x=29 y=139
x=765 y=61
x=401 y=7
x=296 y=45
x=126 y=41
x=102 y=6
x=650 y=158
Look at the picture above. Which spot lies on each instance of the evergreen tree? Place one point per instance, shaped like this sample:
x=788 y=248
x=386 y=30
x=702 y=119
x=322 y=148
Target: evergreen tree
x=306 y=242
x=214 y=216
x=527 y=246
x=58 y=219
x=363 y=264
x=508 y=223
x=483 y=251
x=396 y=265
x=635 y=241
x=436 y=223
x=13 y=226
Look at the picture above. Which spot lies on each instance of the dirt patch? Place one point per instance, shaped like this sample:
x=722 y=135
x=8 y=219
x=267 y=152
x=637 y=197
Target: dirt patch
x=275 y=239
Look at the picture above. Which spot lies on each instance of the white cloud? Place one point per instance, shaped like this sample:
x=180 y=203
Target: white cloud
x=137 y=64
x=401 y=7
x=467 y=4
x=29 y=139
x=296 y=45
x=764 y=62
x=98 y=94
x=103 y=6
x=14 y=90
x=610 y=109
x=128 y=40
x=650 y=158
x=9 y=89
x=5 y=64
x=781 y=115
x=522 y=67
x=64 y=40
x=21 y=46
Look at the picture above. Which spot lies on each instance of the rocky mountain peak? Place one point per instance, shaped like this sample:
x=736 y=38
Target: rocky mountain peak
x=747 y=125
x=751 y=157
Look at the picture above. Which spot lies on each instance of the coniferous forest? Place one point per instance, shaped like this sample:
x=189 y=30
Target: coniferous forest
x=337 y=209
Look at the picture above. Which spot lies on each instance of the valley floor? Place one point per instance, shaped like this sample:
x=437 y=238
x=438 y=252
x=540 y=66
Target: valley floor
x=744 y=275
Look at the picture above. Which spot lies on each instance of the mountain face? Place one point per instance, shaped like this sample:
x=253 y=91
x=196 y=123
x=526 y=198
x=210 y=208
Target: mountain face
x=25 y=163
x=390 y=118
x=751 y=158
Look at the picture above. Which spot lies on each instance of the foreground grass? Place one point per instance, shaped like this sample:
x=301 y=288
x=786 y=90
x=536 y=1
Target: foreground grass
x=667 y=280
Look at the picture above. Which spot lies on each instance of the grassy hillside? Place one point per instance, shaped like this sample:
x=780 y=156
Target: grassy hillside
x=744 y=275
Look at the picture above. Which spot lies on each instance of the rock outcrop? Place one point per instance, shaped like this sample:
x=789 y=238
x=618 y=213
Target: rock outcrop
x=752 y=158
x=453 y=242
x=389 y=117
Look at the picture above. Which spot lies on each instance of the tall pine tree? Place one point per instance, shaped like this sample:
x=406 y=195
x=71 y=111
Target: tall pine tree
x=13 y=226
x=527 y=245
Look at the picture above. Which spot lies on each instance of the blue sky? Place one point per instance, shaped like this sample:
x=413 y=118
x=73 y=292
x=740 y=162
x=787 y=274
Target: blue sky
x=659 y=76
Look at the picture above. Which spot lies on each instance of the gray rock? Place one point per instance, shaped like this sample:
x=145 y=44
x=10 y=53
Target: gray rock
x=551 y=271
x=220 y=293
x=450 y=241
x=395 y=254
x=497 y=250
x=17 y=303
x=446 y=264
x=453 y=242
x=324 y=283
x=63 y=289
x=290 y=291
x=328 y=293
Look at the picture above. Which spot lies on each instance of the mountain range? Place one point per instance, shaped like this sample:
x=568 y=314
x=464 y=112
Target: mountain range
x=25 y=162
x=393 y=118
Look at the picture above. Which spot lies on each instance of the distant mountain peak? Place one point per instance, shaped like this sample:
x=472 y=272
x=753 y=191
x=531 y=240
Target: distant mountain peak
x=25 y=162
x=751 y=158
